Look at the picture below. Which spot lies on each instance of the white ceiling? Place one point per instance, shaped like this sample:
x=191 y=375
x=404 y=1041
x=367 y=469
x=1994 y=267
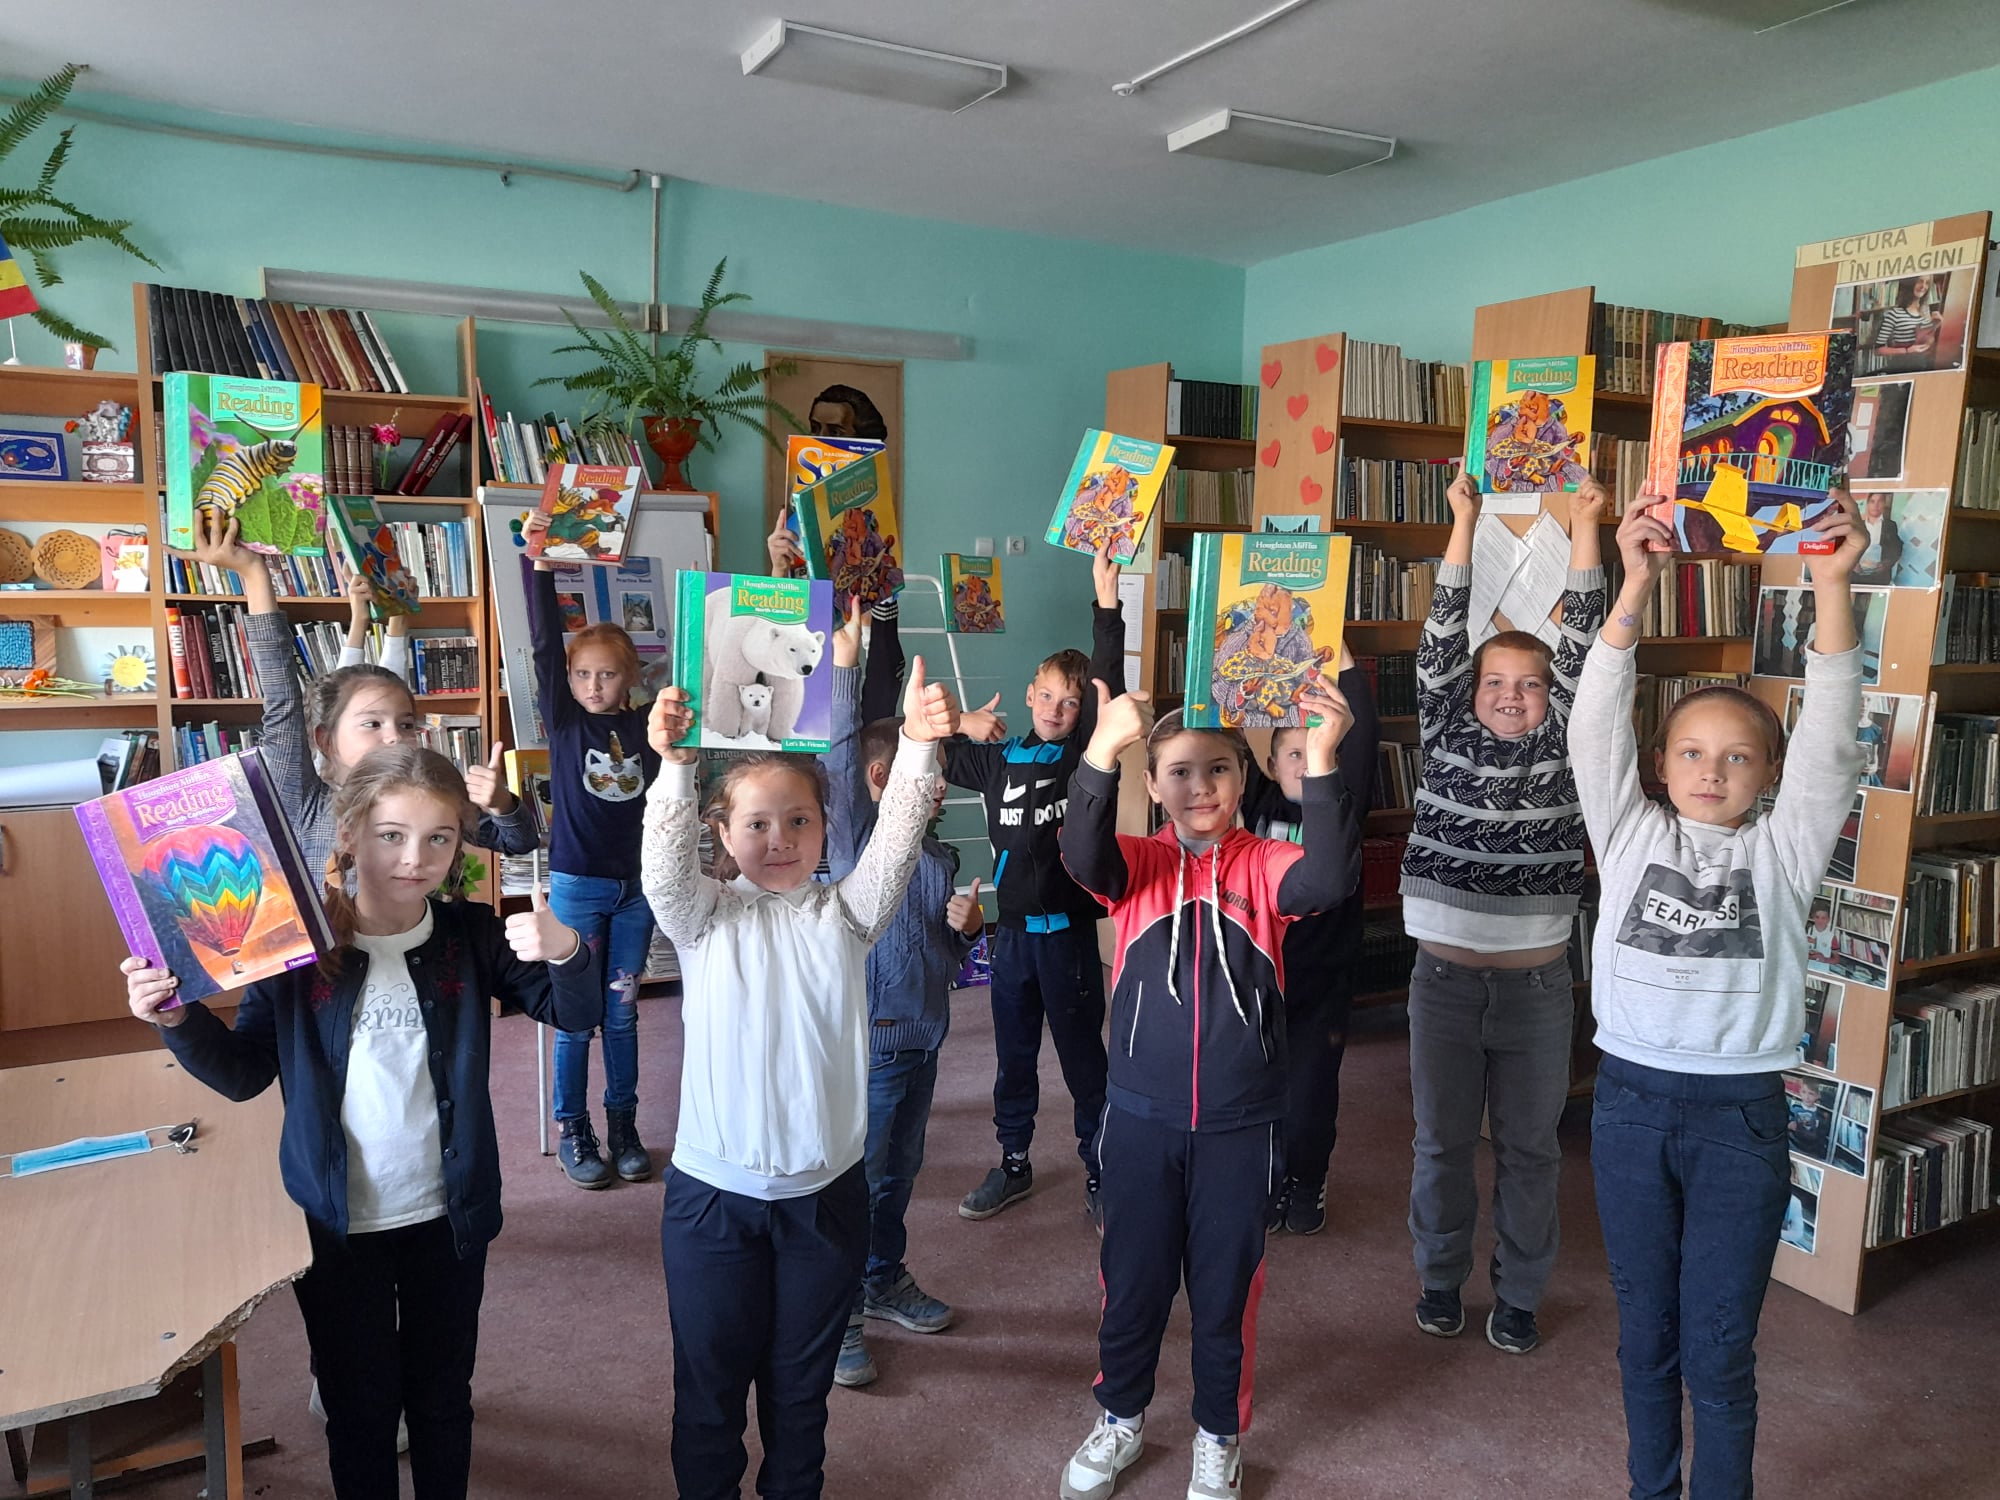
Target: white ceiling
x=1489 y=97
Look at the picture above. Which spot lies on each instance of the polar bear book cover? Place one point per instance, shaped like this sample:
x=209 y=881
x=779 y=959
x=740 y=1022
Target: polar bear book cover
x=1265 y=617
x=752 y=654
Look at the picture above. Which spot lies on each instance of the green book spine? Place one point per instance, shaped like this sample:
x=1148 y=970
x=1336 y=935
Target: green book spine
x=1475 y=425
x=180 y=469
x=1198 y=708
x=690 y=606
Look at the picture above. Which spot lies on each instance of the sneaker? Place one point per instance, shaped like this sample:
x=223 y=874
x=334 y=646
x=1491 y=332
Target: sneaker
x=1218 y=1470
x=1111 y=1448
x=318 y=1409
x=856 y=1366
x=1512 y=1329
x=1440 y=1313
x=1002 y=1186
x=629 y=1158
x=1279 y=1209
x=579 y=1156
x=1093 y=1203
x=903 y=1301
x=1305 y=1209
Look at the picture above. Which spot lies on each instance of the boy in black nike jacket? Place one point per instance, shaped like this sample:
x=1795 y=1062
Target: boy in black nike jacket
x=1045 y=959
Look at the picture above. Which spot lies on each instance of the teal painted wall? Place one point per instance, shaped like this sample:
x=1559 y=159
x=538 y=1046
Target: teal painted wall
x=1708 y=231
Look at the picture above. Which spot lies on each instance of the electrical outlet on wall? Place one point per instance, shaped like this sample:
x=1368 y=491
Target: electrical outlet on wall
x=1017 y=546
x=982 y=546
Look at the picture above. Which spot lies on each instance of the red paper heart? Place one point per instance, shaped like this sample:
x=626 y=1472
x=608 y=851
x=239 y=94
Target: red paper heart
x=1310 y=491
x=1322 y=439
x=1271 y=370
x=1295 y=407
x=1326 y=358
x=1270 y=454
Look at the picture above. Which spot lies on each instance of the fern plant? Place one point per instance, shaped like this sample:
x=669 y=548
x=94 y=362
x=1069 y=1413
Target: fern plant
x=36 y=223
x=632 y=380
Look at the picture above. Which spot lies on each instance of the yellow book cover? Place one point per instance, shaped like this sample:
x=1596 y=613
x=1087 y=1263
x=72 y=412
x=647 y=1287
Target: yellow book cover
x=972 y=589
x=848 y=532
x=1111 y=491
x=1265 y=615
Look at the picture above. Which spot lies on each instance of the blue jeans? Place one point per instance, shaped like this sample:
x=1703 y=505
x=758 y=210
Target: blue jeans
x=611 y=915
x=899 y=1107
x=1692 y=1178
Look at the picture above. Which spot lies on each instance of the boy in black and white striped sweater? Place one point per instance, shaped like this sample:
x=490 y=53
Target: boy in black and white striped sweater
x=1491 y=879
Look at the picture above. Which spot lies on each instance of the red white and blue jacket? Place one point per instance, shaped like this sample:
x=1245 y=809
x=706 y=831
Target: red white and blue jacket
x=1197 y=999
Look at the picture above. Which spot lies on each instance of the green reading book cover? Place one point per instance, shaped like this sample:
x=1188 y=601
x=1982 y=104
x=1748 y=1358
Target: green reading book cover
x=1529 y=424
x=248 y=450
x=972 y=594
x=1264 y=625
x=848 y=531
x=1110 y=494
x=751 y=654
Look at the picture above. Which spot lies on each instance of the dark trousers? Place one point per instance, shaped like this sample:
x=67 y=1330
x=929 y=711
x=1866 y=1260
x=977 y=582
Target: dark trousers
x=1315 y=1043
x=1182 y=1208
x=758 y=1293
x=900 y=1086
x=393 y=1321
x=1693 y=1175
x=1056 y=975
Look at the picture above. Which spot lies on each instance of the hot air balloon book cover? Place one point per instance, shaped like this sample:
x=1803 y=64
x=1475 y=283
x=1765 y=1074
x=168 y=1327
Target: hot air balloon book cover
x=1748 y=436
x=205 y=877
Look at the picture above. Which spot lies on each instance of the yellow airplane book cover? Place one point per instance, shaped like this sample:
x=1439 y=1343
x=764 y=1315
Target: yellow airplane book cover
x=1529 y=424
x=1265 y=615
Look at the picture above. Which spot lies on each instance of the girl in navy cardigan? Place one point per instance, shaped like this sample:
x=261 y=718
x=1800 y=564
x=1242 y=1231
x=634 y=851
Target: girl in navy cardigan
x=388 y=1141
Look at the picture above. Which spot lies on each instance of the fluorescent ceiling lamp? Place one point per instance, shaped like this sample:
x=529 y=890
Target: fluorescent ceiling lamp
x=1233 y=135
x=883 y=70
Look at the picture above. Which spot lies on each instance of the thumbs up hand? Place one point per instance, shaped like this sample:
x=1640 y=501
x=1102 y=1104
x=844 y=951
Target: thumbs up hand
x=983 y=725
x=538 y=935
x=488 y=788
x=1121 y=722
x=929 y=713
x=965 y=913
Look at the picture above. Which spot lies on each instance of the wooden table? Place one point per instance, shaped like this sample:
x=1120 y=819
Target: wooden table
x=122 y=1274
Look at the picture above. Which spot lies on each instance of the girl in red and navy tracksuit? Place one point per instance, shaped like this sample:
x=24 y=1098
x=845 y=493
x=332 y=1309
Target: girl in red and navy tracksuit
x=1192 y=1139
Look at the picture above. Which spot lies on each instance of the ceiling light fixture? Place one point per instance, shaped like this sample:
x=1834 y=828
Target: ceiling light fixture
x=1235 y=33
x=1265 y=141
x=861 y=65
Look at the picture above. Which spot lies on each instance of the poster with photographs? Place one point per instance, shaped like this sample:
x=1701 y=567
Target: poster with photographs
x=1819 y=1046
x=1877 y=430
x=1905 y=538
x=1908 y=323
x=1890 y=734
x=1802 y=1213
x=1849 y=934
x=1787 y=619
x=1830 y=1121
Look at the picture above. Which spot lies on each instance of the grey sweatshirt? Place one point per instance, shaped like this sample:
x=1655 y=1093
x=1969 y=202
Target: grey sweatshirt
x=1699 y=962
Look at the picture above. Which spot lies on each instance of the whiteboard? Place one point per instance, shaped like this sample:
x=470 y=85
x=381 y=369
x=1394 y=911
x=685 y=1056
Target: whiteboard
x=669 y=536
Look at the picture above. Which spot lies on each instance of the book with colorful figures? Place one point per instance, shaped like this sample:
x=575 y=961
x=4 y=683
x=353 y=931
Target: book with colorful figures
x=586 y=510
x=972 y=594
x=848 y=531
x=252 y=451
x=1264 y=624
x=1749 y=436
x=368 y=547
x=205 y=876
x=1110 y=494
x=1529 y=427
x=752 y=655
x=809 y=459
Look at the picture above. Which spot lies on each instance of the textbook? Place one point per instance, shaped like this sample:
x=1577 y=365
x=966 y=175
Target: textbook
x=368 y=547
x=1529 y=427
x=205 y=877
x=1748 y=436
x=752 y=655
x=1110 y=493
x=248 y=450
x=528 y=779
x=588 y=508
x=972 y=591
x=848 y=531
x=1264 y=625
x=808 y=460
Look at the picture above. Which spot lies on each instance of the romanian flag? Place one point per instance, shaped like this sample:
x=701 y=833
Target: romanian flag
x=15 y=296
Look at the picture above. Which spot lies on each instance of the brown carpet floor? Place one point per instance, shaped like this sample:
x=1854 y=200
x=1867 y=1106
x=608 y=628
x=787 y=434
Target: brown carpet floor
x=574 y=1384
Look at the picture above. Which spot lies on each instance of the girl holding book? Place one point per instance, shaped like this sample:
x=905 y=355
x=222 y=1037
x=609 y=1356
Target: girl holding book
x=388 y=1142
x=765 y=1226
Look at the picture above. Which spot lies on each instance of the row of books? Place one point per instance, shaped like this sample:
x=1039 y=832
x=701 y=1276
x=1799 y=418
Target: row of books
x=1382 y=868
x=350 y=458
x=1215 y=497
x=1706 y=596
x=1971 y=629
x=1979 y=460
x=296 y=577
x=1399 y=771
x=444 y=664
x=128 y=759
x=1212 y=409
x=458 y=737
x=1394 y=489
x=522 y=452
x=210 y=647
x=1392 y=681
x=1170 y=581
x=1381 y=384
x=1952 y=902
x=1170 y=660
x=194 y=743
x=1619 y=464
x=1627 y=339
x=1656 y=695
x=1962 y=771
x=1930 y=1170
x=1382 y=587
x=1387 y=952
x=256 y=338
x=1944 y=1038
x=438 y=557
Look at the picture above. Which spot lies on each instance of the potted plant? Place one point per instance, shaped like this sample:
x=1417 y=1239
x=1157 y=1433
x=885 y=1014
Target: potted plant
x=633 y=381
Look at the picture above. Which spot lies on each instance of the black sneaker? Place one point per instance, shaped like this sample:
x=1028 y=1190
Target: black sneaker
x=1002 y=1186
x=1305 y=1209
x=579 y=1156
x=1511 y=1329
x=1440 y=1313
x=1280 y=1206
x=1092 y=1203
x=629 y=1158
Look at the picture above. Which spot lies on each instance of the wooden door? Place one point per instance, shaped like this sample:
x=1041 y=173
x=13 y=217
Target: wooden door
x=59 y=944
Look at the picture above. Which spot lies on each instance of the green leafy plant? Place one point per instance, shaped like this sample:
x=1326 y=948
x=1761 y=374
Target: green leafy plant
x=631 y=379
x=35 y=222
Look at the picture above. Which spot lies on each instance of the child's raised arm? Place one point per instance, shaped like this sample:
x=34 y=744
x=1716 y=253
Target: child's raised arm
x=396 y=643
x=1107 y=638
x=1328 y=866
x=1088 y=838
x=551 y=661
x=237 y=1063
x=682 y=898
x=846 y=777
x=1583 y=594
x=1603 y=747
x=870 y=895
x=1444 y=672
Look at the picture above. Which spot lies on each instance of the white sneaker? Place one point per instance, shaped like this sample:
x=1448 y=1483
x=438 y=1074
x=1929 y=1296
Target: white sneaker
x=318 y=1409
x=1218 y=1470
x=1110 y=1449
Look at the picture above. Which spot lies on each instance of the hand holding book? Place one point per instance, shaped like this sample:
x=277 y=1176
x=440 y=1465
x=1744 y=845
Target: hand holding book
x=153 y=994
x=1643 y=542
x=1329 y=704
x=847 y=639
x=669 y=723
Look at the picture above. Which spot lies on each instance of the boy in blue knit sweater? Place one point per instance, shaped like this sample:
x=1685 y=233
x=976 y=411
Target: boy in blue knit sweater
x=909 y=994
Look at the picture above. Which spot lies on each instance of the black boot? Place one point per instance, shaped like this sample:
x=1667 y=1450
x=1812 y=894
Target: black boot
x=578 y=1154
x=621 y=1144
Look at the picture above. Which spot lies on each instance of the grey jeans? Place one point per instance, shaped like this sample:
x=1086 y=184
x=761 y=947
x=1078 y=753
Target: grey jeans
x=1497 y=1042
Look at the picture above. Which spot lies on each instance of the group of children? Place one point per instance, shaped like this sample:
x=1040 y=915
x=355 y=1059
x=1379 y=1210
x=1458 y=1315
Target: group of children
x=815 y=1004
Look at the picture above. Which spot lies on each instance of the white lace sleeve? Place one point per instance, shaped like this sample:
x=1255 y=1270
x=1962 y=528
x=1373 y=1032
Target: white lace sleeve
x=870 y=895
x=683 y=899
